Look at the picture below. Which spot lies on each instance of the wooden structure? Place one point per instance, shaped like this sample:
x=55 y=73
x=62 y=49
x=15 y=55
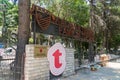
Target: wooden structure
x=45 y=22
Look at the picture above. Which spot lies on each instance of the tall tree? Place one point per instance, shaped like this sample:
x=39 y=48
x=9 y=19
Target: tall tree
x=8 y=20
x=23 y=36
x=106 y=15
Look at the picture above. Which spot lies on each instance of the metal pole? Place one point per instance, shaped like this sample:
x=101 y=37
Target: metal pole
x=34 y=28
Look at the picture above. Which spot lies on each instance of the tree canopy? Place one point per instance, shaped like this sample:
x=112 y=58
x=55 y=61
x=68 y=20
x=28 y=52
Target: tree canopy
x=76 y=11
x=8 y=20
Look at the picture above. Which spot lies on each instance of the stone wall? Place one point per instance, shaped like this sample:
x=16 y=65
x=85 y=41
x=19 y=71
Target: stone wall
x=38 y=68
x=35 y=68
x=70 y=65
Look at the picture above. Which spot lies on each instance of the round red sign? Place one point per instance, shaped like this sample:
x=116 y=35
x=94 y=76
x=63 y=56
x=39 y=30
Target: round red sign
x=56 y=57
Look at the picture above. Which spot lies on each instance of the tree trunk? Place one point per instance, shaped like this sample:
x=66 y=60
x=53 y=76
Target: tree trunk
x=105 y=39
x=91 y=52
x=23 y=36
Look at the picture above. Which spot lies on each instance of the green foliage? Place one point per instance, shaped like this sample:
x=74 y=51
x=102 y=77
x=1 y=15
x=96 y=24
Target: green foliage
x=76 y=11
x=115 y=41
x=79 y=12
x=8 y=20
x=12 y=17
x=11 y=14
x=1 y=18
x=110 y=15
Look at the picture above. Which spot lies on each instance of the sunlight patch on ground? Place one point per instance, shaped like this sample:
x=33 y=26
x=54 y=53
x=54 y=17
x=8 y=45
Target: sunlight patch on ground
x=113 y=65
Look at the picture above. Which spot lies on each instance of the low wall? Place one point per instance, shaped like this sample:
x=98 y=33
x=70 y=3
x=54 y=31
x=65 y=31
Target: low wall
x=70 y=65
x=38 y=68
x=35 y=68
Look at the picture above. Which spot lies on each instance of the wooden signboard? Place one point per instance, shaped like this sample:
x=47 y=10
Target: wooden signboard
x=45 y=22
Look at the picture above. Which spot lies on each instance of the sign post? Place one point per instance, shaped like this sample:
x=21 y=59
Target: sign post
x=56 y=57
